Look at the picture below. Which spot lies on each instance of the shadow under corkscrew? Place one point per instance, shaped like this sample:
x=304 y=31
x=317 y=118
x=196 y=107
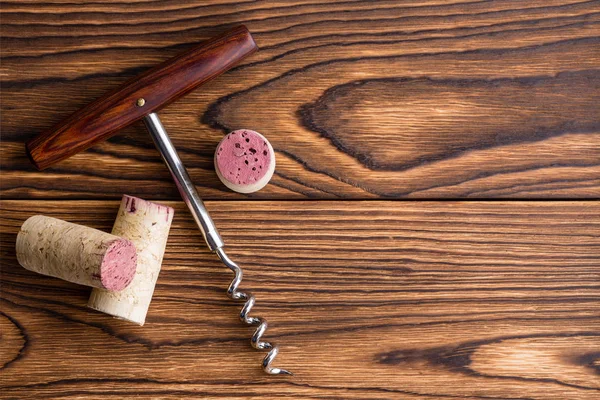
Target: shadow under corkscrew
x=261 y=323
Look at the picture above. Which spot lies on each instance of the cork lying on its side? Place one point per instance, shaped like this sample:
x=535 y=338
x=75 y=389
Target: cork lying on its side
x=147 y=225
x=76 y=253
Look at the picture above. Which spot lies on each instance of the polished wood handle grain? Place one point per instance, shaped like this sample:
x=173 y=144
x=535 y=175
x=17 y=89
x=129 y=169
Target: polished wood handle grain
x=140 y=96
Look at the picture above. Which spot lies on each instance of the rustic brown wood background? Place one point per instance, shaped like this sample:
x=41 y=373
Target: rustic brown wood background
x=382 y=112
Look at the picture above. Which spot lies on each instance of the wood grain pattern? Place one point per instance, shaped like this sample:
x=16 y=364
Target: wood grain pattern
x=364 y=100
x=427 y=300
x=157 y=88
x=360 y=99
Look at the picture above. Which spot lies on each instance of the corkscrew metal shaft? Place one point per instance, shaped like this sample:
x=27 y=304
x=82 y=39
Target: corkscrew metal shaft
x=211 y=236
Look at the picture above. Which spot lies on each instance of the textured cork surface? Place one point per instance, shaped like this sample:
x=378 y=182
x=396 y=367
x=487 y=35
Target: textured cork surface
x=244 y=161
x=75 y=253
x=146 y=224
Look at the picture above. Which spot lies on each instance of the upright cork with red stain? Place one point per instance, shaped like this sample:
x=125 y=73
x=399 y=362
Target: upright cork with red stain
x=245 y=161
x=146 y=225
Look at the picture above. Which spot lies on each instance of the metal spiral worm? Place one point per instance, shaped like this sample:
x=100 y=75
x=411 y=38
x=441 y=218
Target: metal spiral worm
x=259 y=322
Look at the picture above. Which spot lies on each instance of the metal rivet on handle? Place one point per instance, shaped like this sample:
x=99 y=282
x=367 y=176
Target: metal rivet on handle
x=140 y=102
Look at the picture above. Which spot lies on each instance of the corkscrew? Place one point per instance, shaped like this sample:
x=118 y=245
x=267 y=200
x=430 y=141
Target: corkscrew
x=260 y=322
x=211 y=236
x=138 y=99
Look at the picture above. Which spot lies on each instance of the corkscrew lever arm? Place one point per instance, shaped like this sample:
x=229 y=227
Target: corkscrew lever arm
x=211 y=236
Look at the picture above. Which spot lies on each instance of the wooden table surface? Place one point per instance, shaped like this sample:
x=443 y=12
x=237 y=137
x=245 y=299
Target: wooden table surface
x=432 y=230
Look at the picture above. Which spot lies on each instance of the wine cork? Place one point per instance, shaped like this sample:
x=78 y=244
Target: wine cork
x=76 y=253
x=244 y=161
x=147 y=225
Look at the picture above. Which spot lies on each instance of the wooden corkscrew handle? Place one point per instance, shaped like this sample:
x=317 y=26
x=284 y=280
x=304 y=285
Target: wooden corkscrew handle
x=140 y=96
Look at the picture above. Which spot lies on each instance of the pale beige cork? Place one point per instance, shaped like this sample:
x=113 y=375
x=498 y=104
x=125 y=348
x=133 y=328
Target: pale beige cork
x=76 y=253
x=147 y=225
